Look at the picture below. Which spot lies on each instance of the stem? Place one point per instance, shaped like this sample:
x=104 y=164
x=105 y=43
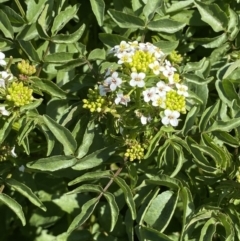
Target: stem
x=43 y=57
x=112 y=179
x=20 y=8
x=3 y=186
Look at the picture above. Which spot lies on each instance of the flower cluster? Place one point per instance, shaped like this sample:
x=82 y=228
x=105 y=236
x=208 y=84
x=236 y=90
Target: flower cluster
x=13 y=91
x=146 y=88
x=25 y=68
x=147 y=71
x=6 y=151
x=135 y=151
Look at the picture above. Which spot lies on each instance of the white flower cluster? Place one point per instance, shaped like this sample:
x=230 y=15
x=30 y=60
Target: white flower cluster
x=136 y=56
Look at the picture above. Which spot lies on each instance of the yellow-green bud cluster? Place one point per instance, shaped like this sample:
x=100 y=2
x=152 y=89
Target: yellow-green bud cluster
x=176 y=78
x=25 y=68
x=19 y=94
x=174 y=101
x=4 y=153
x=135 y=151
x=175 y=57
x=141 y=60
x=95 y=102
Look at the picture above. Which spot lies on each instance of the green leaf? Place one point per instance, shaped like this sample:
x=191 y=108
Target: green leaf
x=190 y=119
x=34 y=10
x=97 y=54
x=207 y=114
x=231 y=68
x=153 y=234
x=165 y=26
x=53 y=163
x=90 y=176
x=94 y=159
x=25 y=129
x=25 y=191
x=50 y=139
x=49 y=87
x=111 y=39
x=30 y=51
x=161 y=210
x=128 y=195
x=150 y=8
x=197 y=80
x=226 y=138
x=12 y=15
x=12 y=204
x=42 y=25
x=63 y=135
x=63 y=18
x=208 y=230
x=224 y=125
x=98 y=8
x=86 y=188
x=113 y=207
x=60 y=57
x=177 y=6
x=167 y=46
x=153 y=143
x=180 y=159
x=87 y=210
x=5 y=25
x=188 y=205
x=32 y=105
x=164 y=180
x=125 y=20
x=6 y=126
x=69 y=38
x=212 y=15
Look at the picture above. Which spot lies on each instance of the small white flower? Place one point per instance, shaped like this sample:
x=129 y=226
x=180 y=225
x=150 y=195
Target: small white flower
x=145 y=119
x=103 y=90
x=3 y=111
x=160 y=101
x=155 y=67
x=162 y=88
x=133 y=45
x=149 y=94
x=13 y=154
x=2 y=57
x=124 y=58
x=158 y=53
x=113 y=82
x=21 y=168
x=171 y=117
x=137 y=79
x=182 y=89
x=122 y=99
x=168 y=71
x=3 y=77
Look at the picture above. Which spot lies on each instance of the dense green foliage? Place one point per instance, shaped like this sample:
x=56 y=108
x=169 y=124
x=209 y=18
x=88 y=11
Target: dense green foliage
x=75 y=165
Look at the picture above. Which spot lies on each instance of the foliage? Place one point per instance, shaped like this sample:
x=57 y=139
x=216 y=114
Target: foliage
x=85 y=155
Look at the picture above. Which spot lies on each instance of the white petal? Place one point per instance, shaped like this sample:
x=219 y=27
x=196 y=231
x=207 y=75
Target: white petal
x=21 y=168
x=174 y=122
x=133 y=82
x=165 y=120
x=167 y=112
x=143 y=120
x=142 y=75
x=3 y=111
x=175 y=114
x=3 y=62
x=140 y=84
x=2 y=55
x=13 y=154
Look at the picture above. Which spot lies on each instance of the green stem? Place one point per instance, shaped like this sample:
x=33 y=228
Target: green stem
x=112 y=179
x=43 y=57
x=20 y=8
x=3 y=186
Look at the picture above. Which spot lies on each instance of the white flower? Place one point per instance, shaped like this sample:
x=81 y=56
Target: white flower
x=122 y=99
x=2 y=57
x=171 y=117
x=137 y=79
x=182 y=89
x=162 y=88
x=149 y=94
x=155 y=67
x=168 y=71
x=124 y=58
x=146 y=47
x=103 y=90
x=113 y=82
x=13 y=154
x=158 y=53
x=3 y=111
x=133 y=45
x=3 y=77
x=145 y=119
x=21 y=168
x=160 y=101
